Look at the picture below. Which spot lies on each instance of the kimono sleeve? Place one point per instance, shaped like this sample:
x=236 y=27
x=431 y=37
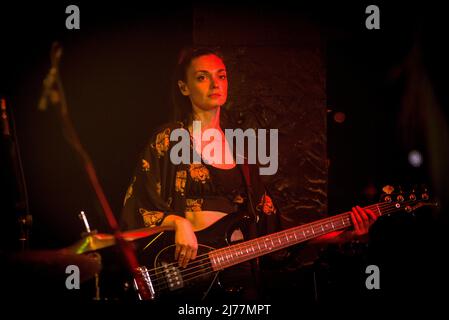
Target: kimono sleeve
x=146 y=203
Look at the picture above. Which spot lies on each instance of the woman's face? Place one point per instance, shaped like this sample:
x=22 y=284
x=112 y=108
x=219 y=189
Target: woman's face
x=206 y=82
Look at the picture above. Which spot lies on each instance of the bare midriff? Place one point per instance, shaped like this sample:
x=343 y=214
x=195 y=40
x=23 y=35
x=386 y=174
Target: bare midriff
x=203 y=219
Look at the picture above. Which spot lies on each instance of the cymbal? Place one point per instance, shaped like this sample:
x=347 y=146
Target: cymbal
x=94 y=242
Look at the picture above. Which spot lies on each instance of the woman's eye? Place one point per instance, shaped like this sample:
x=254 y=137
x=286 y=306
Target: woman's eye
x=223 y=76
x=201 y=78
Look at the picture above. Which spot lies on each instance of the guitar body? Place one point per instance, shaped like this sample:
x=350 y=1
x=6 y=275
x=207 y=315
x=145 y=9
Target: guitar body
x=197 y=279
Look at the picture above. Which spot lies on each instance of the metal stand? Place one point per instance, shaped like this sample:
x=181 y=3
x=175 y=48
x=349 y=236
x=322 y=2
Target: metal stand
x=54 y=93
x=20 y=195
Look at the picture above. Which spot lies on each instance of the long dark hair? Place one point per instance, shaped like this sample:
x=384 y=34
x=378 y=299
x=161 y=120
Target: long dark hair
x=182 y=107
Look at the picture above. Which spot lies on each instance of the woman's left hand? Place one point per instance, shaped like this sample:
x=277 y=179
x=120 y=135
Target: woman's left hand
x=362 y=219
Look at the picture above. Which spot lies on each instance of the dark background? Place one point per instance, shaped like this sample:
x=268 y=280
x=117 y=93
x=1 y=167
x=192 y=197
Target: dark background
x=116 y=71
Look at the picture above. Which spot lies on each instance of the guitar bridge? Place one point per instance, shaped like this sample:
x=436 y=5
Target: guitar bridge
x=173 y=276
x=143 y=284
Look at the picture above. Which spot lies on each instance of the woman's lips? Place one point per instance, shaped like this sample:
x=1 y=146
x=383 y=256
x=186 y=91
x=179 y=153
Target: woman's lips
x=215 y=95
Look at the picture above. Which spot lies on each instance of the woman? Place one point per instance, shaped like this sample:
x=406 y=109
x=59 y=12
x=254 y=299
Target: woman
x=191 y=197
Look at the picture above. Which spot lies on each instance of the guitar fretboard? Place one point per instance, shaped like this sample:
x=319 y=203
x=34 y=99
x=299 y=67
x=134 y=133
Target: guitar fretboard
x=232 y=255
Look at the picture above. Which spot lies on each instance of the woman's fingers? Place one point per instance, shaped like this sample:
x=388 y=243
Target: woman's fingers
x=356 y=221
x=188 y=257
x=183 y=258
x=177 y=251
x=186 y=243
x=182 y=253
x=372 y=214
x=186 y=253
x=364 y=219
x=194 y=252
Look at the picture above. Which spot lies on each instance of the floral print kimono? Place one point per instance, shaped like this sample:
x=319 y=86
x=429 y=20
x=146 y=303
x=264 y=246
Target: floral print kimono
x=159 y=188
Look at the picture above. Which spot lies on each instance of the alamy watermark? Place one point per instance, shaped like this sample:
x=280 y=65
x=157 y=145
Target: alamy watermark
x=257 y=147
x=373 y=20
x=373 y=280
x=73 y=280
x=73 y=20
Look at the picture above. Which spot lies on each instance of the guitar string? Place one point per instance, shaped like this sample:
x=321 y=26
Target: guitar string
x=162 y=286
x=338 y=217
x=378 y=206
x=158 y=280
x=212 y=270
x=240 y=247
x=281 y=234
x=249 y=243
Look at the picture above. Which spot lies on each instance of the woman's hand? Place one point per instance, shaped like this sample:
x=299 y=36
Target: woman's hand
x=362 y=219
x=185 y=241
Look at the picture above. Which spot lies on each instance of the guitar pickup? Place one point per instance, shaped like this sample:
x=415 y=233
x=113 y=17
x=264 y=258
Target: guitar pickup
x=172 y=276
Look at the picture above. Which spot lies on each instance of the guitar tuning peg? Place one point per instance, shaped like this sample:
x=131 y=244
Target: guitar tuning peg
x=412 y=194
x=424 y=192
x=388 y=189
x=400 y=196
x=386 y=198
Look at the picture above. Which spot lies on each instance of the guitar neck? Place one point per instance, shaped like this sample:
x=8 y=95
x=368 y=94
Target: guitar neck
x=234 y=254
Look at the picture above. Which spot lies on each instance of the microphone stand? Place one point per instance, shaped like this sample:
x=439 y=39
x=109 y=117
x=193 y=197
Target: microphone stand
x=20 y=194
x=57 y=97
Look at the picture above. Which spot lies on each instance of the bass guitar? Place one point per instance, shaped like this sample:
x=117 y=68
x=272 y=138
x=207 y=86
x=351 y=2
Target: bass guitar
x=216 y=252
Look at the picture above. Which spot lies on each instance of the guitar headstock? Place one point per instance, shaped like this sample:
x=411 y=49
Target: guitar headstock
x=408 y=200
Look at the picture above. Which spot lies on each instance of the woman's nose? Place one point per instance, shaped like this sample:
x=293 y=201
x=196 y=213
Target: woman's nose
x=214 y=83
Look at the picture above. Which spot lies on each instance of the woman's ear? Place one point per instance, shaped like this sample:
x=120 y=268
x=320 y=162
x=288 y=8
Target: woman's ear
x=183 y=88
